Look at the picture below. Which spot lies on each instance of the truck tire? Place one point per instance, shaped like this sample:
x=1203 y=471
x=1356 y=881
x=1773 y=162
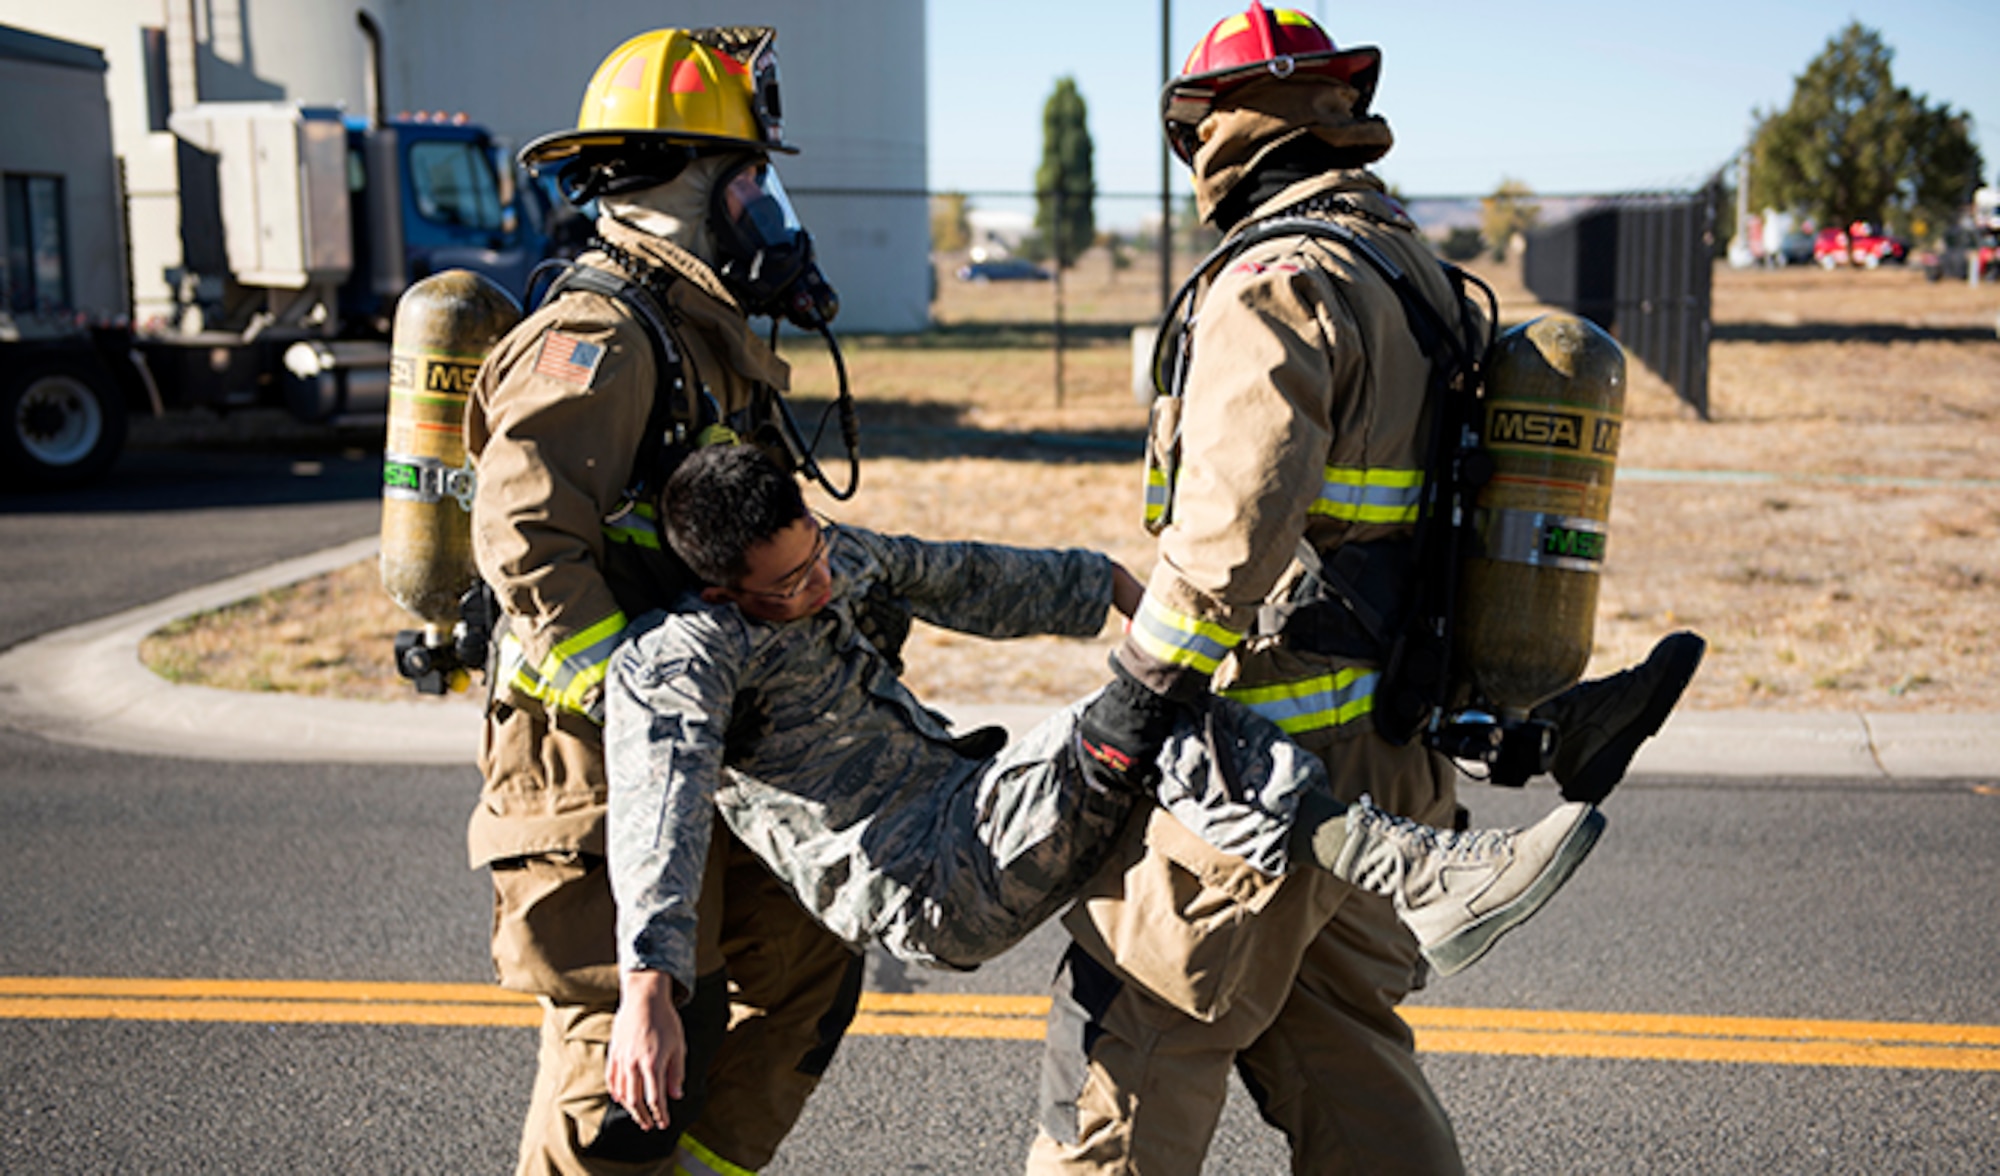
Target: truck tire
x=62 y=423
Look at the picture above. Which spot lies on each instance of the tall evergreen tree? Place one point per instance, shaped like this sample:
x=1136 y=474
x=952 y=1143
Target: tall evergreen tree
x=1065 y=184
x=1854 y=145
x=1511 y=209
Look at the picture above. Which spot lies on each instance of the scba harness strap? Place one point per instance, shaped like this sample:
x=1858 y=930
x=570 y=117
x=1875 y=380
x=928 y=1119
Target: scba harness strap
x=1390 y=601
x=672 y=429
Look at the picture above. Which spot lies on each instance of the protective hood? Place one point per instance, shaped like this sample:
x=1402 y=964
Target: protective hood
x=676 y=211
x=1259 y=117
x=699 y=296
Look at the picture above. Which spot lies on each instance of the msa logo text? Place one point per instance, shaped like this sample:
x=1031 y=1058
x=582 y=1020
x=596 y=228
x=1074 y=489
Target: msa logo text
x=1553 y=430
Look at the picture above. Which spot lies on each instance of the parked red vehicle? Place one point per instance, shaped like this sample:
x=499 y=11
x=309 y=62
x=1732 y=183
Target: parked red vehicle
x=1859 y=244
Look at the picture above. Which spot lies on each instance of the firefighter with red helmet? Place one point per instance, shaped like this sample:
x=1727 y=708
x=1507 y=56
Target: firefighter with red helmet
x=1294 y=449
x=642 y=350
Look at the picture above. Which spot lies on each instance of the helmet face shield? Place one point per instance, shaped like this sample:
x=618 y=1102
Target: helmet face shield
x=752 y=211
x=763 y=252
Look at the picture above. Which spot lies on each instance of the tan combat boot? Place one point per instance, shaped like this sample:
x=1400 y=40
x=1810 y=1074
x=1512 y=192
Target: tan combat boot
x=1459 y=892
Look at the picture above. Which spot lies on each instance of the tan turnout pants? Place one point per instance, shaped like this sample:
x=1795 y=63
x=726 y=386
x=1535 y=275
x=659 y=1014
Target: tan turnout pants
x=1187 y=963
x=792 y=988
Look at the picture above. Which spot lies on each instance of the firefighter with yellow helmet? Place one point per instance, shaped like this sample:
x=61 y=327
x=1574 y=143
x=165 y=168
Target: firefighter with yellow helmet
x=1288 y=467
x=641 y=351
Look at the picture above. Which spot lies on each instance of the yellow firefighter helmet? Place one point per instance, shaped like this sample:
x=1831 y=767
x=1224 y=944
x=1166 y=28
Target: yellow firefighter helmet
x=714 y=89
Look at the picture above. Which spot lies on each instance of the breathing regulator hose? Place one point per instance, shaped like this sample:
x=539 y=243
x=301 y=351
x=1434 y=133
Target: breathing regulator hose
x=850 y=425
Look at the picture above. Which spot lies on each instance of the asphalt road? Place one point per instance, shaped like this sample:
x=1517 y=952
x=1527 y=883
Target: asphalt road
x=1806 y=902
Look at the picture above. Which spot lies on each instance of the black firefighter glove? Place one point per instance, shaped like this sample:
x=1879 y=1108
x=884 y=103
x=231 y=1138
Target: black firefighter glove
x=1120 y=733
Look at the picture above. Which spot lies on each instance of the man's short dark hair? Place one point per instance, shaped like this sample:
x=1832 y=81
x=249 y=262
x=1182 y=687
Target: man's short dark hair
x=721 y=502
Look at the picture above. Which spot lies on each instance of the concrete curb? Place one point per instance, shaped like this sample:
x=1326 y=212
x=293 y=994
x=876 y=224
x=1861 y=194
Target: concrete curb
x=85 y=686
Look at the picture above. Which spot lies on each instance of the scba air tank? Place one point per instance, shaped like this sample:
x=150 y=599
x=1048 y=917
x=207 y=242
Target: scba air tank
x=1555 y=403
x=445 y=325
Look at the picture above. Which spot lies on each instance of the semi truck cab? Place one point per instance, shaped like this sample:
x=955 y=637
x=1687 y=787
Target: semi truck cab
x=300 y=227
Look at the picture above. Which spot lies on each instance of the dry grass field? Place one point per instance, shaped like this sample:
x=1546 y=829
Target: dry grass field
x=1834 y=529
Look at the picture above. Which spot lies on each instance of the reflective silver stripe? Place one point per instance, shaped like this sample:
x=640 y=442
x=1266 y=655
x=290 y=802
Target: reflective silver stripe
x=1370 y=496
x=1179 y=639
x=1571 y=542
x=1311 y=704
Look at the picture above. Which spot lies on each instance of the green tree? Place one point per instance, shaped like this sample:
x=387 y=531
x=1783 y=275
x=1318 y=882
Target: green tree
x=951 y=231
x=1854 y=145
x=1463 y=243
x=1065 y=186
x=1510 y=210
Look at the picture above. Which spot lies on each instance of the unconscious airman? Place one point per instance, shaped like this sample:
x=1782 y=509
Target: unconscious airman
x=764 y=702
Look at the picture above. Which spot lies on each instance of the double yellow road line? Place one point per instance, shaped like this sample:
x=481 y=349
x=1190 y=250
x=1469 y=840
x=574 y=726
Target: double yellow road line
x=1509 y=1032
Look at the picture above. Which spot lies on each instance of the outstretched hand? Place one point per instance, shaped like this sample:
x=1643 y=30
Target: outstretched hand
x=647 y=1061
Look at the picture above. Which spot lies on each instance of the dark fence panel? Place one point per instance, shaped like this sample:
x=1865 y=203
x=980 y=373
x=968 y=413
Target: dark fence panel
x=1640 y=267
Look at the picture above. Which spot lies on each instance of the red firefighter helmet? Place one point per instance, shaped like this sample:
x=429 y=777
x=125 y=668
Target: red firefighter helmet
x=1259 y=42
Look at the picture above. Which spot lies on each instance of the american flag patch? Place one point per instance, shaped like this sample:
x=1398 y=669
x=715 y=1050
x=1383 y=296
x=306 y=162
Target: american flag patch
x=568 y=358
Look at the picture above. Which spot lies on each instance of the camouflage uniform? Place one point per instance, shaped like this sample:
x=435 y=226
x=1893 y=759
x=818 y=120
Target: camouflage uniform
x=858 y=797
x=553 y=427
x=1301 y=419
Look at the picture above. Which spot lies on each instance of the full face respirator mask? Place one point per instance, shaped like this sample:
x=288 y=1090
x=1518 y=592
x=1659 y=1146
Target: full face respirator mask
x=763 y=253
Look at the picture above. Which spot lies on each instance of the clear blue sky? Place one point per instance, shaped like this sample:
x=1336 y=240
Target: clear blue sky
x=1569 y=95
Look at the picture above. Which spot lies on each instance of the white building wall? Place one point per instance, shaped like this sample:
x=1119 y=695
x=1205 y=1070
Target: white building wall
x=853 y=75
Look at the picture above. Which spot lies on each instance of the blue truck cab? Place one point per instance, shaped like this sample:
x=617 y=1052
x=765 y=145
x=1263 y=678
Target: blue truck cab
x=432 y=193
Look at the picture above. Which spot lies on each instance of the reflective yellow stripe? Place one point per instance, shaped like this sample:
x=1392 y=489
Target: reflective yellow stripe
x=514 y=671
x=639 y=526
x=1312 y=704
x=1158 y=494
x=577 y=665
x=694 y=1159
x=1181 y=640
x=1370 y=496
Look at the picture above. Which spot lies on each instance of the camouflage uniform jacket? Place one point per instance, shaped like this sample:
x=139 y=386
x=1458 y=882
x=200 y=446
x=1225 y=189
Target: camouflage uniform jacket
x=807 y=742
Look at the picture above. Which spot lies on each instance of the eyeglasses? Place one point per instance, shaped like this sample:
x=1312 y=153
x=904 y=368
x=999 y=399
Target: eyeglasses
x=800 y=578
